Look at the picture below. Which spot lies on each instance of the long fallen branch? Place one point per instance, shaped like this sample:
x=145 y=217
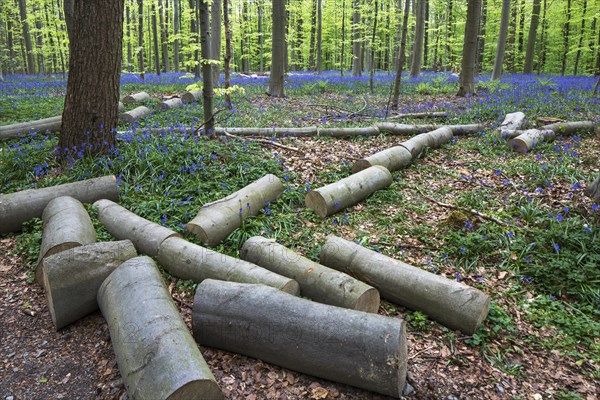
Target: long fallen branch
x=263 y=141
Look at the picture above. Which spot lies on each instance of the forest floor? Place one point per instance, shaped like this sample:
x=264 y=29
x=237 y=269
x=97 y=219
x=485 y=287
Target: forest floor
x=539 y=342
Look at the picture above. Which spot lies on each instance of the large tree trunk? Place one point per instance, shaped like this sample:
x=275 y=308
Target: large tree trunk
x=469 y=58
x=401 y=57
x=156 y=354
x=216 y=220
x=499 y=61
x=352 y=347
x=71 y=279
x=433 y=139
x=187 y=260
x=18 y=207
x=51 y=124
x=207 y=74
x=535 y=18
x=417 y=54
x=215 y=37
x=593 y=190
x=90 y=115
x=26 y=37
x=451 y=303
x=278 y=54
x=123 y=224
x=356 y=44
x=346 y=192
x=317 y=282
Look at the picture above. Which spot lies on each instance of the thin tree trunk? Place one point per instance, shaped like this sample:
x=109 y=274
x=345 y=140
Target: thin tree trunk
x=50 y=34
x=535 y=18
x=566 y=33
x=176 y=16
x=207 y=73
x=163 y=36
x=512 y=39
x=261 y=61
x=155 y=40
x=68 y=8
x=499 y=61
x=245 y=39
x=313 y=34
x=343 y=37
x=481 y=39
x=426 y=34
x=60 y=46
x=578 y=54
x=469 y=60
x=448 y=56
x=10 y=42
x=39 y=42
x=140 y=49
x=215 y=32
x=521 y=39
x=227 y=58
x=542 y=51
x=356 y=45
x=27 y=37
x=276 y=79
x=129 y=49
x=372 y=63
x=401 y=56
x=319 y=36
x=417 y=54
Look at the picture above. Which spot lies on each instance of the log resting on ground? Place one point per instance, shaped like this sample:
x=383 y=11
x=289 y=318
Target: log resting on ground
x=433 y=139
x=593 y=190
x=156 y=354
x=451 y=303
x=191 y=95
x=136 y=98
x=136 y=113
x=169 y=104
x=529 y=138
x=317 y=282
x=187 y=260
x=123 y=224
x=393 y=159
x=72 y=278
x=353 y=347
x=18 y=207
x=216 y=220
x=512 y=122
x=346 y=192
x=403 y=129
x=51 y=124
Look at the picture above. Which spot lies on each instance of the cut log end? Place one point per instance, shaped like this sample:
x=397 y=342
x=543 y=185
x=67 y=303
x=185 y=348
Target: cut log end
x=315 y=201
x=369 y=301
x=209 y=389
x=200 y=233
x=292 y=287
x=519 y=145
x=39 y=275
x=360 y=165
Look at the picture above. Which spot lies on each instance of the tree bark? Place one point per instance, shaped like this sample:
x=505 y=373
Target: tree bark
x=356 y=44
x=187 y=260
x=319 y=36
x=581 y=35
x=18 y=207
x=372 y=52
x=245 y=42
x=123 y=224
x=227 y=58
x=216 y=220
x=566 y=32
x=276 y=79
x=71 y=278
x=140 y=97
x=356 y=348
x=343 y=41
x=215 y=37
x=156 y=354
x=401 y=57
x=176 y=16
x=170 y=104
x=469 y=59
x=136 y=113
x=481 y=37
x=417 y=54
x=451 y=303
x=129 y=37
x=163 y=36
x=51 y=124
x=207 y=73
x=140 y=49
x=346 y=192
x=26 y=37
x=535 y=18
x=499 y=61
x=593 y=190
x=317 y=282
x=69 y=10
x=155 y=44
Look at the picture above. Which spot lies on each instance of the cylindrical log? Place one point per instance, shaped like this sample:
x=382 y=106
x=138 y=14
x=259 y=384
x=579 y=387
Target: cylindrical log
x=187 y=260
x=191 y=95
x=439 y=137
x=123 y=224
x=353 y=347
x=269 y=132
x=451 y=303
x=468 y=129
x=393 y=159
x=569 y=128
x=593 y=190
x=51 y=124
x=169 y=104
x=136 y=98
x=346 y=192
x=121 y=106
x=18 y=207
x=349 y=132
x=216 y=220
x=416 y=144
x=512 y=122
x=156 y=354
x=136 y=113
x=316 y=281
x=433 y=114
x=72 y=278
x=404 y=129
x=529 y=138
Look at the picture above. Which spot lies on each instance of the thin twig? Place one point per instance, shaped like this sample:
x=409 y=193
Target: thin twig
x=406 y=246
x=207 y=121
x=264 y=141
x=421 y=352
x=361 y=110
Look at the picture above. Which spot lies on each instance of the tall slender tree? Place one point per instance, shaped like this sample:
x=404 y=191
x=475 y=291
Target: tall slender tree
x=582 y=34
x=276 y=79
x=207 y=72
x=356 y=44
x=215 y=37
x=319 y=36
x=566 y=33
x=372 y=58
x=401 y=56
x=499 y=61
x=26 y=37
x=155 y=44
x=481 y=38
x=417 y=54
x=531 y=38
x=343 y=37
x=469 y=58
x=261 y=57
x=313 y=35
x=176 y=17
x=245 y=42
x=227 y=58
x=163 y=36
x=140 y=49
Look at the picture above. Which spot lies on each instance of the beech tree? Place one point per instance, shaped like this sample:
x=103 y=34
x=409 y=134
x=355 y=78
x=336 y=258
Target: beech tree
x=501 y=40
x=535 y=18
x=417 y=55
x=276 y=79
x=469 y=58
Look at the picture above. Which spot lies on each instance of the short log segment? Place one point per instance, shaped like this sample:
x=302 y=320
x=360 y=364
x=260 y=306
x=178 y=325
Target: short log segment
x=123 y=224
x=121 y=106
x=512 y=122
x=190 y=96
x=317 y=282
x=433 y=139
x=136 y=113
x=451 y=303
x=72 y=278
x=346 y=192
x=216 y=220
x=66 y=225
x=393 y=159
x=18 y=207
x=187 y=260
x=156 y=354
x=136 y=98
x=51 y=124
x=353 y=347
x=169 y=104
x=593 y=190
x=529 y=138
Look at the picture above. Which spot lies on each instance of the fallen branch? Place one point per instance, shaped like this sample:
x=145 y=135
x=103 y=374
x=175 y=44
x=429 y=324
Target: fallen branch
x=434 y=114
x=263 y=141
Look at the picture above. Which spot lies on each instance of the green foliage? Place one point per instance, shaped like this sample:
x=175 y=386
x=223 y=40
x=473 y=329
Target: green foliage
x=418 y=321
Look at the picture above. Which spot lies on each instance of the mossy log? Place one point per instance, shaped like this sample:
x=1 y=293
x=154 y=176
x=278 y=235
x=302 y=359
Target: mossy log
x=529 y=138
x=593 y=190
x=451 y=303
x=136 y=113
x=66 y=225
x=216 y=220
x=169 y=104
x=346 y=192
x=187 y=260
x=393 y=159
x=353 y=347
x=72 y=278
x=18 y=207
x=156 y=354
x=512 y=122
x=51 y=124
x=316 y=281
x=136 y=98
x=191 y=95
x=123 y=224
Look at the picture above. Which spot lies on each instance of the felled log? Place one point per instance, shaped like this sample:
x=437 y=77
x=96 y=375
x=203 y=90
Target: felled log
x=451 y=303
x=136 y=113
x=72 y=278
x=393 y=159
x=404 y=129
x=269 y=132
x=433 y=139
x=51 y=124
x=512 y=122
x=66 y=225
x=18 y=207
x=136 y=98
x=156 y=354
x=123 y=224
x=187 y=260
x=529 y=138
x=216 y=220
x=316 y=281
x=121 y=106
x=348 y=132
x=593 y=190
x=346 y=192
x=353 y=347
x=191 y=95
x=433 y=114
x=169 y=104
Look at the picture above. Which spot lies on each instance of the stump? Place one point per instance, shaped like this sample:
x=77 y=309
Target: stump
x=136 y=98
x=451 y=303
x=316 y=281
x=18 y=207
x=123 y=224
x=136 y=113
x=72 y=278
x=187 y=260
x=216 y=220
x=156 y=354
x=346 y=192
x=353 y=347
